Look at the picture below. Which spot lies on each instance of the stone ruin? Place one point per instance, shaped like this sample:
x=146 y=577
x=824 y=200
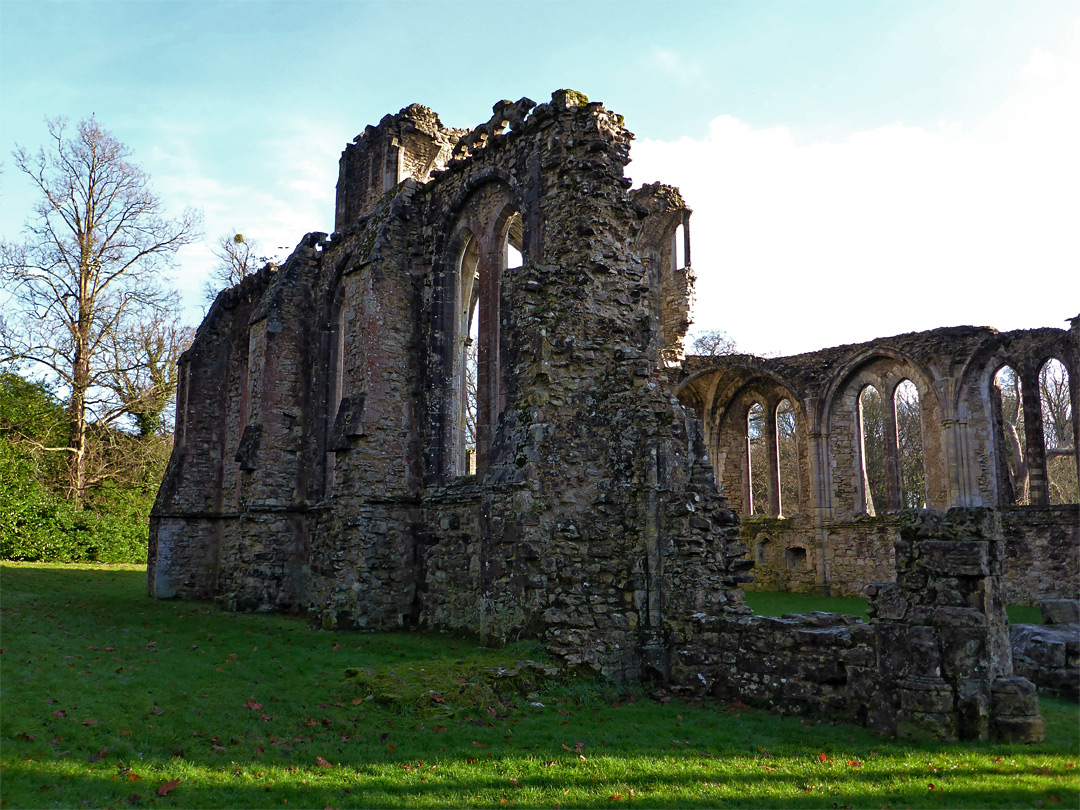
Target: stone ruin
x=404 y=425
x=825 y=533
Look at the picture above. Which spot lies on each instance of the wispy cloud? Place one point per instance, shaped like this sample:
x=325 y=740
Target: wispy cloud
x=676 y=65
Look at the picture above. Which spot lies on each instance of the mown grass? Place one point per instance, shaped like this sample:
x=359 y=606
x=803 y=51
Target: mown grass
x=111 y=699
x=770 y=603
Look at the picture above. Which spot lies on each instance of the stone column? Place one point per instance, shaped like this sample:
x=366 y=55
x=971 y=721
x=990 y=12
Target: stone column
x=944 y=661
x=892 y=455
x=1034 y=449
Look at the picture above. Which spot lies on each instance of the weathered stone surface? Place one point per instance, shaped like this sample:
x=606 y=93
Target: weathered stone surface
x=330 y=457
x=1060 y=611
x=1049 y=656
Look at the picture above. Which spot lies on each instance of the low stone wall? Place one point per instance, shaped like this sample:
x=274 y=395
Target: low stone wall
x=934 y=662
x=1041 y=557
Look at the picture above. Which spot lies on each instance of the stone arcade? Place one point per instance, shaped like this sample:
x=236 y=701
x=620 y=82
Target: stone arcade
x=403 y=426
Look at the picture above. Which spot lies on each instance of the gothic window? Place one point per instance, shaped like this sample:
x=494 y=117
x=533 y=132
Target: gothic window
x=1058 y=438
x=788 y=458
x=466 y=356
x=909 y=445
x=757 y=460
x=1007 y=397
x=872 y=443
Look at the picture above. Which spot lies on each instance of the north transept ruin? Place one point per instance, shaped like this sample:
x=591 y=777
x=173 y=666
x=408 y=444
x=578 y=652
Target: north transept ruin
x=467 y=409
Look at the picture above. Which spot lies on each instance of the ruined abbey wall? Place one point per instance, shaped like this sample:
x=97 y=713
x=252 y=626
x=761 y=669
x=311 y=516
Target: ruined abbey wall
x=404 y=426
x=321 y=463
x=828 y=535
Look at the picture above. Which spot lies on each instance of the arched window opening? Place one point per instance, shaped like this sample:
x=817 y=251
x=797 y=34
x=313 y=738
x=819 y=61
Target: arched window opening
x=796 y=558
x=468 y=338
x=1057 y=418
x=788 y=452
x=872 y=433
x=472 y=340
x=761 y=551
x=757 y=461
x=514 y=242
x=335 y=392
x=910 y=446
x=678 y=248
x=1013 y=468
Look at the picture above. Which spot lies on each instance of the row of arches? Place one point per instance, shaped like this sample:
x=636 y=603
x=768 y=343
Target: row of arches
x=1035 y=466
x=885 y=440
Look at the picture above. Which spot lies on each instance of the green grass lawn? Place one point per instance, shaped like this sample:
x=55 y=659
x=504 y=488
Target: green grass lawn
x=110 y=699
x=771 y=603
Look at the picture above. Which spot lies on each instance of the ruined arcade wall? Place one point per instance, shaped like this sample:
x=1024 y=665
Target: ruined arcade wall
x=831 y=537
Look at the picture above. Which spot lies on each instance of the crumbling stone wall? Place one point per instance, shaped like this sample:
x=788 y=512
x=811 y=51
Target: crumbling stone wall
x=323 y=461
x=324 y=469
x=934 y=662
x=831 y=537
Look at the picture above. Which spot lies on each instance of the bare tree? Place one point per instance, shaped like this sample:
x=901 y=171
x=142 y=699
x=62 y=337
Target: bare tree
x=1010 y=399
x=141 y=368
x=714 y=343
x=237 y=258
x=93 y=254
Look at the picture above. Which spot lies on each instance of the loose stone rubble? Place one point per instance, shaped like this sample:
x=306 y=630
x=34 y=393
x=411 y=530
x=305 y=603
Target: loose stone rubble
x=1048 y=654
x=323 y=463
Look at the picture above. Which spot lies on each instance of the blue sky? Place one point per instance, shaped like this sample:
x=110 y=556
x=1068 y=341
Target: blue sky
x=857 y=168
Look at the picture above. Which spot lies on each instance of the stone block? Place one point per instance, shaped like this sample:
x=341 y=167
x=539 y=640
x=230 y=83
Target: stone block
x=968 y=558
x=925 y=694
x=1029 y=729
x=1014 y=697
x=973 y=708
x=1060 y=611
x=926 y=726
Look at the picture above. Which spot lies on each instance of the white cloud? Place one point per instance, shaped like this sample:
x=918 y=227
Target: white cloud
x=894 y=229
x=294 y=195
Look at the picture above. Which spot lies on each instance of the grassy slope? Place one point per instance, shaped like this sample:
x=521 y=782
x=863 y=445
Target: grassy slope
x=108 y=697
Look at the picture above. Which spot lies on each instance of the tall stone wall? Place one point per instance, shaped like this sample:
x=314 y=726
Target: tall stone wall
x=325 y=470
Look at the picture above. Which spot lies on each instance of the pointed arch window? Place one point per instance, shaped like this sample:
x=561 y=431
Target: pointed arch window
x=909 y=443
x=1059 y=450
x=872 y=443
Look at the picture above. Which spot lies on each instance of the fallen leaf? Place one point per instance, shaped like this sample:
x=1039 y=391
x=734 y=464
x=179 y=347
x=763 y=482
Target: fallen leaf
x=90 y=722
x=251 y=704
x=322 y=763
x=823 y=758
x=167 y=787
